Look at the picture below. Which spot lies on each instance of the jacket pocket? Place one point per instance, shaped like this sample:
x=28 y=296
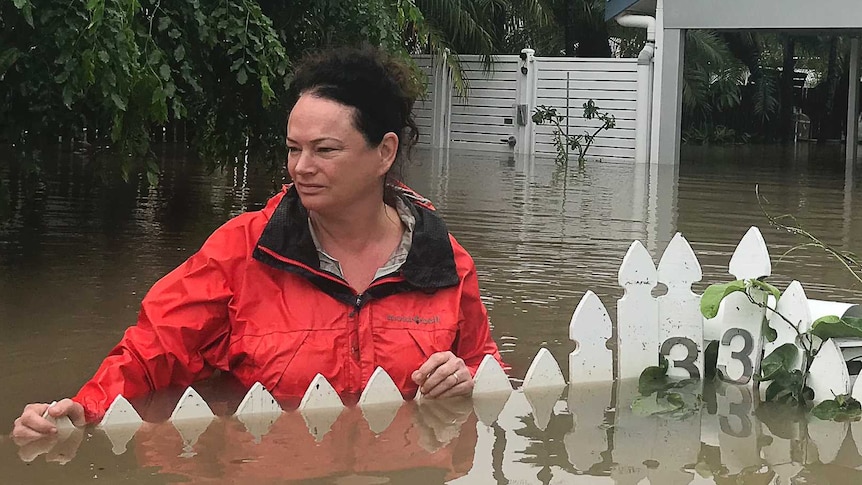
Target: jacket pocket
x=434 y=340
x=269 y=357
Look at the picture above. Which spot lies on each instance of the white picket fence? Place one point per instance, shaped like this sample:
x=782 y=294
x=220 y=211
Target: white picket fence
x=670 y=324
x=496 y=115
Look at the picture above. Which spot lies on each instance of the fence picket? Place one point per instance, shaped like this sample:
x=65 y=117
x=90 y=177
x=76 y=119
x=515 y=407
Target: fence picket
x=637 y=313
x=191 y=406
x=120 y=413
x=380 y=389
x=680 y=327
x=793 y=305
x=544 y=372
x=380 y=401
x=320 y=395
x=828 y=376
x=257 y=401
x=741 y=319
x=490 y=378
x=590 y=329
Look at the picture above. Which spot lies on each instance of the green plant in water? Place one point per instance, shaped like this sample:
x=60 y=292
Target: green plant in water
x=842 y=408
x=787 y=367
x=661 y=395
x=563 y=141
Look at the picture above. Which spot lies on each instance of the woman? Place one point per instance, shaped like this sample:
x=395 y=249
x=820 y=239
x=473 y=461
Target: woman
x=345 y=270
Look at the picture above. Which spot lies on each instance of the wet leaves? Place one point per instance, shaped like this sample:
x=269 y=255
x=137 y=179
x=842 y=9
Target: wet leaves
x=842 y=408
x=781 y=361
x=713 y=295
x=663 y=395
x=832 y=326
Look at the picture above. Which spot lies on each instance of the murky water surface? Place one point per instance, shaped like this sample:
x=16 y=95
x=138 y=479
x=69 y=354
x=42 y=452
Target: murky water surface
x=76 y=259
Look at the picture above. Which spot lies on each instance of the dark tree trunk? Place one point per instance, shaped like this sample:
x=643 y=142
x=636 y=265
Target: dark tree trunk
x=593 y=41
x=569 y=29
x=833 y=75
x=744 y=46
x=785 y=112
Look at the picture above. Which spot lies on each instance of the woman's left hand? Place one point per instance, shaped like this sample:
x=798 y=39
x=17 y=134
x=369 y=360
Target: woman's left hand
x=444 y=375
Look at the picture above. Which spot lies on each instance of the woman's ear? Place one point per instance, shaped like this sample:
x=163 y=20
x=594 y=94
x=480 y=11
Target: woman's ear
x=388 y=150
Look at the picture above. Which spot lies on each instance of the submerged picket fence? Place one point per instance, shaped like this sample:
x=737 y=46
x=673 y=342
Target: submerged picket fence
x=670 y=324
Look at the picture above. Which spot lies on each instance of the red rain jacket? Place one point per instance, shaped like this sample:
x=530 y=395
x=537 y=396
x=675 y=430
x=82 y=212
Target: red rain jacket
x=253 y=302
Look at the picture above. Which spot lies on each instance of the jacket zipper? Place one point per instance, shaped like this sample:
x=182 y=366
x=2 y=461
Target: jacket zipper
x=354 y=321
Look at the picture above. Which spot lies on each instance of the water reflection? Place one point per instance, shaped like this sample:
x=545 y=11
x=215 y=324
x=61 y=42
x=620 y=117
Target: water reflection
x=77 y=257
x=579 y=439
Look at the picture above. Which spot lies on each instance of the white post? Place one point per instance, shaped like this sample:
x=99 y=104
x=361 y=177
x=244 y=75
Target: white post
x=667 y=92
x=525 y=129
x=853 y=102
x=645 y=76
x=442 y=102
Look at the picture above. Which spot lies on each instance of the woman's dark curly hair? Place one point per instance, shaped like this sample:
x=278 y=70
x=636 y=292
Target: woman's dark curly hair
x=379 y=86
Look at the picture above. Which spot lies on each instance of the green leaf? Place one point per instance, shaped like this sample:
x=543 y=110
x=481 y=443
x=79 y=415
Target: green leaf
x=653 y=378
x=26 y=9
x=763 y=285
x=165 y=71
x=118 y=102
x=782 y=359
x=153 y=178
x=179 y=53
x=769 y=333
x=832 y=326
x=241 y=76
x=7 y=59
x=842 y=408
x=653 y=404
x=713 y=295
x=163 y=23
x=267 y=93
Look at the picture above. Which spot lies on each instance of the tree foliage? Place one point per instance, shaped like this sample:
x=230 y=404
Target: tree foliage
x=119 y=68
x=124 y=69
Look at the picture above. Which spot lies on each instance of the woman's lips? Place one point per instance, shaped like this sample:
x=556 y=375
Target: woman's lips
x=309 y=187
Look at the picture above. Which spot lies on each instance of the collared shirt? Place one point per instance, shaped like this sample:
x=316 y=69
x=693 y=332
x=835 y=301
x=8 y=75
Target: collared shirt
x=398 y=257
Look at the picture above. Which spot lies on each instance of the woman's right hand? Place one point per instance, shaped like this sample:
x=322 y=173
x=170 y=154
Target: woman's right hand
x=31 y=426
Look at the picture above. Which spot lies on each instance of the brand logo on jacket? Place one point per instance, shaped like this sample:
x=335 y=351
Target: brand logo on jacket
x=413 y=319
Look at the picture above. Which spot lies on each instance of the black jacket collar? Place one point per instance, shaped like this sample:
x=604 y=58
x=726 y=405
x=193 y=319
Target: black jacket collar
x=430 y=262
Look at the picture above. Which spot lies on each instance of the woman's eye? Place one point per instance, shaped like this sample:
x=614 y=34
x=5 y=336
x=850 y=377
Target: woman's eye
x=326 y=149
x=292 y=149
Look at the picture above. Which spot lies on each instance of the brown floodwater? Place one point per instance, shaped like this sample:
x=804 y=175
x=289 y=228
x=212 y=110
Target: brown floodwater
x=76 y=258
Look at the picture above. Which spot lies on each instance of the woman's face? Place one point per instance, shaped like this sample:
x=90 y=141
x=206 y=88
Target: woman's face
x=330 y=162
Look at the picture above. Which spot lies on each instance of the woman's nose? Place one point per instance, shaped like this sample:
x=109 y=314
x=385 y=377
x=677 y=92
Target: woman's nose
x=304 y=162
